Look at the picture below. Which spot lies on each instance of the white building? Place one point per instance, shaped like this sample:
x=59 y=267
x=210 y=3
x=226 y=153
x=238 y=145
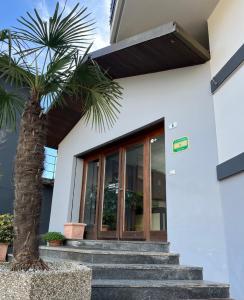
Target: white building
x=180 y=65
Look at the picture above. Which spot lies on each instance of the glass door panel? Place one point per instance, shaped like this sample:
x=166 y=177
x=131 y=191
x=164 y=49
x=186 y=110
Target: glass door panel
x=124 y=190
x=91 y=191
x=133 y=196
x=110 y=193
x=158 y=191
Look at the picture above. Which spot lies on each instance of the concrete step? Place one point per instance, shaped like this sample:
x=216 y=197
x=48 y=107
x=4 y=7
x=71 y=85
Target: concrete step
x=108 y=257
x=145 y=272
x=157 y=290
x=138 y=246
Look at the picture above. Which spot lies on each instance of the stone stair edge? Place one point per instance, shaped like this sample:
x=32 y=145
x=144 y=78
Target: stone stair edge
x=157 y=283
x=143 y=266
x=119 y=242
x=101 y=251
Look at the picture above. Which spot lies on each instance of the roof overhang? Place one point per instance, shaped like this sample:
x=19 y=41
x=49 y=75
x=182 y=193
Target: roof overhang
x=163 y=48
x=60 y=121
x=130 y=17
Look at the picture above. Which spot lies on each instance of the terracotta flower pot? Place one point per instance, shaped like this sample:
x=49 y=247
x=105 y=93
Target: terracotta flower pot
x=55 y=243
x=105 y=228
x=3 y=251
x=74 y=231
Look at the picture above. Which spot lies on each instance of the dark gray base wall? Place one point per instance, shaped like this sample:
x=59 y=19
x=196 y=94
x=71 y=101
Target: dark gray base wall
x=47 y=192
x=6 y=204
x=232 y=192
x=8 y=143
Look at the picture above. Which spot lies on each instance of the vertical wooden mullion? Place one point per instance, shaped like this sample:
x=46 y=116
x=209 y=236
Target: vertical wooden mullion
x=100 y=199
x=146 y=188
x=98 y=196
x=121 y=193
x=83 y=192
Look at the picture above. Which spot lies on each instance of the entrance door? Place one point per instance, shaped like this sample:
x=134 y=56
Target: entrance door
x=123 y=194
x=108 y=216
x=133 y=209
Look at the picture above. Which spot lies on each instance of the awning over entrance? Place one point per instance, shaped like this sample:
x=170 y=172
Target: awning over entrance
x=163 y=48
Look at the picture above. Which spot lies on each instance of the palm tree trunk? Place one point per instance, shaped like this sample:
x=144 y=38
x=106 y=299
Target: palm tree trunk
x=28 y=187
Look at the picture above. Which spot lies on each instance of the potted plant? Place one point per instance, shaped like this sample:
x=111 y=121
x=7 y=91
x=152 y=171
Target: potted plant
x=6 y=234
x=53 y=239
x=74 y=231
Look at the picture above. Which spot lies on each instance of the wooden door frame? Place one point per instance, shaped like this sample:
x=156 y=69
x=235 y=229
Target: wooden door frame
x=107 y=234
x=155 y=235
x=93 y=233
x=133 y=235
x=140 y=138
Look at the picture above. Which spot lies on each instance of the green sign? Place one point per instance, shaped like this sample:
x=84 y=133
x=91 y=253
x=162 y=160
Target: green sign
x=180 y=144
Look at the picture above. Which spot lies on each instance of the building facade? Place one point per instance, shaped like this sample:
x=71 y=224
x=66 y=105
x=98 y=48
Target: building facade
x=171 y=168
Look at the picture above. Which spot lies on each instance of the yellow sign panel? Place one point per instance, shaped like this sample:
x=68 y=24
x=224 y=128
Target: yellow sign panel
x=180 y=144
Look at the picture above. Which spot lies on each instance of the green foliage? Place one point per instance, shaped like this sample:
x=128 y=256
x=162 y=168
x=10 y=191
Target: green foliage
x=3 y=35
x=51 y=59
x=10 y=106
x=53 y=236
x=6 y=228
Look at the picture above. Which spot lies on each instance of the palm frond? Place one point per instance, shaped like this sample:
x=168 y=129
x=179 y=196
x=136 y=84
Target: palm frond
x=71 y=31
x=100 y=95
x=60 y=71
x=6 y=40
x=15 y=73
x=11 y=106
x=56 y=77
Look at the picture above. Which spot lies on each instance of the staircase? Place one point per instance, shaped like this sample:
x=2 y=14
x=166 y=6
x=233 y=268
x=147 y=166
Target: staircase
x=137 y=270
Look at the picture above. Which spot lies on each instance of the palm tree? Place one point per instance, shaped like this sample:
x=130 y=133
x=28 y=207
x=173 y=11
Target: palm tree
x=49 y=60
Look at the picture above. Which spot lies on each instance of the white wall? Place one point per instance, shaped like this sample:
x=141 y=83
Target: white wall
x=195 y=221
x=226 y=31
x=232 y=192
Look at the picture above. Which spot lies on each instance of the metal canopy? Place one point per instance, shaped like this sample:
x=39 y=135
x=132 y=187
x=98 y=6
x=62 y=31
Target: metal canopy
x=163 y=48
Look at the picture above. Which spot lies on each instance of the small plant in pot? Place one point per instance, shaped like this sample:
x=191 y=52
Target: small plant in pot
x=53 y=239
x=6 y=234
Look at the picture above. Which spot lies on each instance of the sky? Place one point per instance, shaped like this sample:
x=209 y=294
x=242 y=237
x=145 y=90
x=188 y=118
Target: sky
x=100 y=11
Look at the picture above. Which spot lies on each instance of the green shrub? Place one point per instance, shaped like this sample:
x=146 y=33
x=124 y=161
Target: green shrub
x=53 y=236
x=6 y=228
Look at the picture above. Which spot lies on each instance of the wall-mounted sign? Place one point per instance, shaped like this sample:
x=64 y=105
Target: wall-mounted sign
x=180 y=144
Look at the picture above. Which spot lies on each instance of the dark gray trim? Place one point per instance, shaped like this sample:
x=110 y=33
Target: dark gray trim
x=117 y=23
x=231 y=167
x=235 y=61
x=112 y=9
x=124 y=136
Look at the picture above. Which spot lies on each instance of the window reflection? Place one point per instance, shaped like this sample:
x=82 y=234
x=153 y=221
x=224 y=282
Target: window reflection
x=158 y=192
x=91 y=193
x=110 y=196
x=134 y=189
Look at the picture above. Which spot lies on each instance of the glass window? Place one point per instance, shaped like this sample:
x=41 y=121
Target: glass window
x=158 y=193
x=110 y=192
x=134 y=189
x=91 y=192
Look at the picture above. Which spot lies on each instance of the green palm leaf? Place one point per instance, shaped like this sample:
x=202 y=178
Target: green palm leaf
x=73 y=31
x=11 y=106
x=14 y=72
x=47 y=59
x=99 y=93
